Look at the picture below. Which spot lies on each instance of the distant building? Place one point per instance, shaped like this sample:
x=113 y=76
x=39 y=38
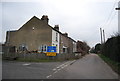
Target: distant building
x=37 y=34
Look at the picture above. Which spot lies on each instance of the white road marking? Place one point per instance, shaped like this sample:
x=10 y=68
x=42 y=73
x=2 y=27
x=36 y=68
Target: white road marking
x=38 y=63
x=62 y=67
x=59 y=69
x=54 y=69
x=48 y=76
x=26 y=64
x=65 y=66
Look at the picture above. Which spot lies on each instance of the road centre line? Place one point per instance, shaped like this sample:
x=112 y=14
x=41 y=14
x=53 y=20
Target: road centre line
x=60 y=67
x=64 y=65
x=48 y=76
x=55 y=71
x=27 y=64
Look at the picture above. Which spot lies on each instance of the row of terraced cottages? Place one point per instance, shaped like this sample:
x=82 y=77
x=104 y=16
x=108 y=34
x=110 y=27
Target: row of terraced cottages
x=37 y=34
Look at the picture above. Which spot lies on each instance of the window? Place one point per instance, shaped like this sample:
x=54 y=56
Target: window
x=23 y=47
x=33 y=28
x=56 y=47
x=43 y=48
x=56 y=36
x=63 y=50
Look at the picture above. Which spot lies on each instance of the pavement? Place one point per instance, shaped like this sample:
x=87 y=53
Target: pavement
x=89 y=67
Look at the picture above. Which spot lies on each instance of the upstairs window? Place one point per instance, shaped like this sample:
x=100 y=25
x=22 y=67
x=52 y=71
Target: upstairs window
x=57 y=37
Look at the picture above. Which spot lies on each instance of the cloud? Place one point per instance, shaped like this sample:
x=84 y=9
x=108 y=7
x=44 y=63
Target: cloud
x=57 y=0
x=80 y=18
x=0 y=22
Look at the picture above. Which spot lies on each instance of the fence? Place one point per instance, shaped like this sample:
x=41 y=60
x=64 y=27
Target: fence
x=40 y=56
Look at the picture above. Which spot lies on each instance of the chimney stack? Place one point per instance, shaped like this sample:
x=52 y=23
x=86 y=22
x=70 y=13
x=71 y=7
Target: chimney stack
x=45 y=18
x=56 y=27
x=65 y=34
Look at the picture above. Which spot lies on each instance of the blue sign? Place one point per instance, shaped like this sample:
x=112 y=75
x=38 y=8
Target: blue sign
x=51 y=48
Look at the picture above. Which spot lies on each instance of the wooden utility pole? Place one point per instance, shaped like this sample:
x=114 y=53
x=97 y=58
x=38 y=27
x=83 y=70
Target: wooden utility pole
x=101 y=35
x=117 y=8
x=104 y=36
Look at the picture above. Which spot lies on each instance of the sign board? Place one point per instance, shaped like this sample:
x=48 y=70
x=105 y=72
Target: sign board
x=50 y=54
x=51 y=48
x=51 y=51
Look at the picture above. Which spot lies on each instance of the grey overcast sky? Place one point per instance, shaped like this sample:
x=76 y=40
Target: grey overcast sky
x=81 y=19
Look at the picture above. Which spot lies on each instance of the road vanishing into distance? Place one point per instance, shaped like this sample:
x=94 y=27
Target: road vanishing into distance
x=89 y=67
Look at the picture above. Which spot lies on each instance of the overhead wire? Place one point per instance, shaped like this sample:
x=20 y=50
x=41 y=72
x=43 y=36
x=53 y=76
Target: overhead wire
x=111 y=19
x=110 y=15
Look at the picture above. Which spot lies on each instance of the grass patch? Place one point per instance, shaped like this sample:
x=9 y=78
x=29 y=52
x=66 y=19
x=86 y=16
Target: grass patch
x=114 y=65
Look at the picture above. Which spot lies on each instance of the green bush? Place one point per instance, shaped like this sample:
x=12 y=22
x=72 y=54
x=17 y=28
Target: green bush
x=111 y=48
x=114 y=65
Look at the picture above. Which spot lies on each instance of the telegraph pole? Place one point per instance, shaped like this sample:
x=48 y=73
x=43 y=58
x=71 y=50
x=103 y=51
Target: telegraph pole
x=101 y=35
x=118 y=9
x=104 y=36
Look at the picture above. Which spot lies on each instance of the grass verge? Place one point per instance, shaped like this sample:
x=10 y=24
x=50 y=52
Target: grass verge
x=114 y=65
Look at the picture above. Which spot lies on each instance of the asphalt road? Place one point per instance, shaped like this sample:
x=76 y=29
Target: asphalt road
x=0 y=66
x=28 y=70
x=89 y=67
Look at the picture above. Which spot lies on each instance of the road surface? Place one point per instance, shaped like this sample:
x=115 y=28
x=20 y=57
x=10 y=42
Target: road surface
x=0 y=66
x=89 y=67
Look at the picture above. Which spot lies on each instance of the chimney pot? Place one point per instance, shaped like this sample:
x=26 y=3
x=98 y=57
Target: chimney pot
x=45 y=18
x=65 y=34
x=56 y=27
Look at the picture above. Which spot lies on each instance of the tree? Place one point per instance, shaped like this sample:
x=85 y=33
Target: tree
x=97 y=48
x=92 y=50
x=82 y=47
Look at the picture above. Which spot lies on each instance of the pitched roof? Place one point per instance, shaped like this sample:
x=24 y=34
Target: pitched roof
x=34 y=17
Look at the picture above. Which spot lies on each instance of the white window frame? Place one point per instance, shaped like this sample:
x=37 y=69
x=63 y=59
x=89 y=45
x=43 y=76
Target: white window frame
x=43 y=48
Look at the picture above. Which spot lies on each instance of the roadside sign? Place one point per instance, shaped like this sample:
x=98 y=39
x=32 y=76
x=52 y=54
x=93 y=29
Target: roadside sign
x=51 y=51
x=50 y=54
